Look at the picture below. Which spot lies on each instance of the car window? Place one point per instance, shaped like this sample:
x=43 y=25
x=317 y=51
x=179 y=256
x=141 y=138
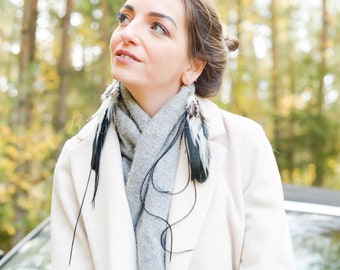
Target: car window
x=316 y=240
x=33 y=255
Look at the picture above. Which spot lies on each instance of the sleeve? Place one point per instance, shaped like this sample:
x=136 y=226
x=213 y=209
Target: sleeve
x=64 y=212
x=267 y=242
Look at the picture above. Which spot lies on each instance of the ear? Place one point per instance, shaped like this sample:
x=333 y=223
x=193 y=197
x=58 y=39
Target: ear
x=193 y=71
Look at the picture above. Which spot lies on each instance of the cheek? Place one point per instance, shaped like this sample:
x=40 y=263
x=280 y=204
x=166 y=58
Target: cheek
x=169 y=55
x=175 y=57
x=169 y=66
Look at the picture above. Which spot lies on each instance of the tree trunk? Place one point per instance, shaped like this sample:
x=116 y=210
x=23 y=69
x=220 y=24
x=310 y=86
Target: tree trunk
x=236 y=91
x=290 y=133
x=64 y=70
x=105 y=30
x=275 y=73
x=323 y=61
x=23 y=114
x=319 y=156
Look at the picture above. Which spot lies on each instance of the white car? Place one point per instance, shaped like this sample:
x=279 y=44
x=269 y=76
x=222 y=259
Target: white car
x=313 y=216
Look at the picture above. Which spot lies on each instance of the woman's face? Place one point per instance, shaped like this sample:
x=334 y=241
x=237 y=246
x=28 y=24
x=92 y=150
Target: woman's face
x=149 y=48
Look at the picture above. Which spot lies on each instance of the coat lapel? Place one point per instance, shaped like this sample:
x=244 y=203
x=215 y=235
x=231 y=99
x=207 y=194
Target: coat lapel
x=190 y=207
x=108 y=224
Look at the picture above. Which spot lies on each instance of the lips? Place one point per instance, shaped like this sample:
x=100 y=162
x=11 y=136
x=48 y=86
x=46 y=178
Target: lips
x=126 y=55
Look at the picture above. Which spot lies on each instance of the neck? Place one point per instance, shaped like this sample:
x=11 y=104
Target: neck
x=152 y=100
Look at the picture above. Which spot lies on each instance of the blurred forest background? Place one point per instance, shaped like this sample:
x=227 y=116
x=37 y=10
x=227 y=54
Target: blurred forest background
x=55 y=63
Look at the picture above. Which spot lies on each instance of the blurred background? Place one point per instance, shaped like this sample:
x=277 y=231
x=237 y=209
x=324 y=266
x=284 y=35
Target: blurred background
x=55 y=63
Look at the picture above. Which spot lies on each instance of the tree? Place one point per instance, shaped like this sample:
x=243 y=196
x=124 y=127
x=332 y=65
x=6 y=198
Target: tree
x=63 y=70
x=318 y=150
x=24 y=113
x=27 y=65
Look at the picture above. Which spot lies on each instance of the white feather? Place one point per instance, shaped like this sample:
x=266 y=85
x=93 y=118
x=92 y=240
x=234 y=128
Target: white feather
x=108 y=98
x=196 y=127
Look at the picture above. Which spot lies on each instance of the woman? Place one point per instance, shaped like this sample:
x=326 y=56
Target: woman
x=161 y=178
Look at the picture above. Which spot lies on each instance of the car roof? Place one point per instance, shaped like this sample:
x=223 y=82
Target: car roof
x=314 y=195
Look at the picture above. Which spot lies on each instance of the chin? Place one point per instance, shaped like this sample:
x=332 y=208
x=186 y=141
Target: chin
x=126 y=78
x=118 y=76
x=125 y=81
x=121 y=75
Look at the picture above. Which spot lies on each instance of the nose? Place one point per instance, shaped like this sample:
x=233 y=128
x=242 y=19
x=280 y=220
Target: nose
x=131 y=33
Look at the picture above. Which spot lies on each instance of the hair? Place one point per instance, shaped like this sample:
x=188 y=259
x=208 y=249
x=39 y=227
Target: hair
x=208 y=41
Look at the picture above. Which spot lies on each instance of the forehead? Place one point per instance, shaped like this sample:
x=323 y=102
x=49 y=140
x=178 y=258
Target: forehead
x=173 y=8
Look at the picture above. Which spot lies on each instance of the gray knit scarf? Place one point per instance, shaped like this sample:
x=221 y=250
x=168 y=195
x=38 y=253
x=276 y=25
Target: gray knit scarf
x=143 y=141
x=150 y=151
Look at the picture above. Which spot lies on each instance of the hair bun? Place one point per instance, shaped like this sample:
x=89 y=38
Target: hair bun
x=231 y=42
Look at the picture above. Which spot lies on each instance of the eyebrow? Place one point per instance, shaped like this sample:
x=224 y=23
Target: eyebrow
x=154 y=14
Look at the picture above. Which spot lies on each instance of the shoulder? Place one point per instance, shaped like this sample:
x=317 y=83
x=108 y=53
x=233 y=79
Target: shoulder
x=84 y=135
x=222 y=122
x=242 y=127
x=87 y=130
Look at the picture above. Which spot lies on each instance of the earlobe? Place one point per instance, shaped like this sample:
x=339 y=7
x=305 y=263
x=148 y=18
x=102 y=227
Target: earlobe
x=193 y=72
x=187 y=78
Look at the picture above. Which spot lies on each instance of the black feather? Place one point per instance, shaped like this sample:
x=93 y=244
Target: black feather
x=197 y=171
x=97 y=147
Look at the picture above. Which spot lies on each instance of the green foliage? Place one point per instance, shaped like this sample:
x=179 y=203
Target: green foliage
x=308 y=144
x=25 y=178
x=303 y=127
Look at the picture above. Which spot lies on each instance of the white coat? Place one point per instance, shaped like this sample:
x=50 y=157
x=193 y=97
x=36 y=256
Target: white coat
x=238 y=222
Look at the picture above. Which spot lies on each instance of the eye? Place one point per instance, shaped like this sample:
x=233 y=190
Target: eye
x=123 y=18
x=159 y=29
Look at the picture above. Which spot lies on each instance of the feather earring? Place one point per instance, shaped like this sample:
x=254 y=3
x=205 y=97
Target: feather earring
x=197 y=141
x=104 y=115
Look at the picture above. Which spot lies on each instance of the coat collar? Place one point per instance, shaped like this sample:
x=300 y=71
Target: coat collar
x=196 y=198
x=102 y=227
